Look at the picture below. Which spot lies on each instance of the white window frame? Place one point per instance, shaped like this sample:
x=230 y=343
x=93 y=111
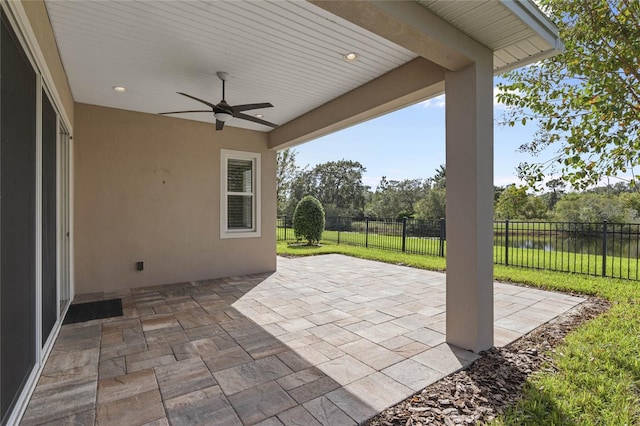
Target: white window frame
x=256 y=159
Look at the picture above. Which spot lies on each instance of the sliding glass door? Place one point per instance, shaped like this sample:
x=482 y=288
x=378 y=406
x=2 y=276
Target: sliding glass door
x=49 y=205
x=35 y=220
x=17 y=218
x=64 y=234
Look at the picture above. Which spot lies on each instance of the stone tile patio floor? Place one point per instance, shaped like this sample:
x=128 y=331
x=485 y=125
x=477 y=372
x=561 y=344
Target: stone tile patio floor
x=328 y=340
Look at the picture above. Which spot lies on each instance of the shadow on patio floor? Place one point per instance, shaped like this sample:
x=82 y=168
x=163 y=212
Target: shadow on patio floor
x=331 y=340
x=182 y=355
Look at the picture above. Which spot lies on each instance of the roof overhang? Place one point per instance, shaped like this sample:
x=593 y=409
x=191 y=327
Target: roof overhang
x=289 y=54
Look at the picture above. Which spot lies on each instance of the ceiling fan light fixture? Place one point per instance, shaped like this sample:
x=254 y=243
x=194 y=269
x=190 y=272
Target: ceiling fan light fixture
x=223 y=116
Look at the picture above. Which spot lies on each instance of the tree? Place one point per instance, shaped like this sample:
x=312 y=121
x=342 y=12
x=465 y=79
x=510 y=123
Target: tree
x=631 y=200
x=497 y=192
x=286 y=172
x=396 y=199
x=615 y=189
x=336 y=184
x=556 y=189
x=511 y=202
x=515 y=203
x=433 y=205
x=592 y=207
x=586 y=100
x=309 y=220
x=439 y=180
x=340 y=185
x=534 y=208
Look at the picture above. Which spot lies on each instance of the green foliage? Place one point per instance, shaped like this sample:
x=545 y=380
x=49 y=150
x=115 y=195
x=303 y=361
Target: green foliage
x=395 y=199
x=596 y=380
x=534 y=208
x=631 y=200
x=432 y=206
x=419 y=198
x=308 y=220
x=615 y=189
x=556 y=189
x=497 y=192
x=593 y=207
x=439 y=180
x=511 y=203
x=286 y=171
x=585 y=101
x=336 y=184
x=515 y=203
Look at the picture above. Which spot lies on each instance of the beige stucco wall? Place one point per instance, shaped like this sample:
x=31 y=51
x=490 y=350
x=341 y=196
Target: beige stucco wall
x=147 y=188
x=38 y=16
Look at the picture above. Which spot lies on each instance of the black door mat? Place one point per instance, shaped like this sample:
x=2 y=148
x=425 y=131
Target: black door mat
x=93 y=310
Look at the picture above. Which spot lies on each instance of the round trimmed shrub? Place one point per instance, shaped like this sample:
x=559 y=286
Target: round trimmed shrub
x=308 y=220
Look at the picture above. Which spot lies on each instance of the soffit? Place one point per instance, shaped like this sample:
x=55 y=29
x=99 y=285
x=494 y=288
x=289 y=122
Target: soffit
x=506 y=27
x=286 y=53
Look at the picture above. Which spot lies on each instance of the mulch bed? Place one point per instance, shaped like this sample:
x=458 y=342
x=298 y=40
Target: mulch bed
x=492 y=383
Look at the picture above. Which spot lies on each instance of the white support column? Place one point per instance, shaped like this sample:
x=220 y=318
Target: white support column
x=469 y=135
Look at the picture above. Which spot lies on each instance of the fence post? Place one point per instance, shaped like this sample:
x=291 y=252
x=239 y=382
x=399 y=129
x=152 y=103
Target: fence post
x=366 y=232
x=443 y=228
x=404 y=234
x=285 y=227
x=338 y=229
x=604 y=248
x=506 y=242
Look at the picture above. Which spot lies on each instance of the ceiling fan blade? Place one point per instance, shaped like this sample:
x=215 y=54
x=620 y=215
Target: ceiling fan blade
x=199 y=100
x=219 y=124
x=182 y=112
x=247 y=107
x=254 y=119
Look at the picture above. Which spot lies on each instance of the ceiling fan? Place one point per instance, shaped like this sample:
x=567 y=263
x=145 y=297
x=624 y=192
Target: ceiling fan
x=223 y=111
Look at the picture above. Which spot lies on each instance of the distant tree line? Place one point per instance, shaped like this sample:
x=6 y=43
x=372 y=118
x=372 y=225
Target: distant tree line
x=338 y=186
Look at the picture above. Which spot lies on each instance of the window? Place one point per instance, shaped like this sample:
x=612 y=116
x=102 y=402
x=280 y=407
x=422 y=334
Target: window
x=240 y=194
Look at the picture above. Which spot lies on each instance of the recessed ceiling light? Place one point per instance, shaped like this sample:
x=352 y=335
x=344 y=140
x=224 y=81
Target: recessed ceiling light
x=120 y=89
x=351 y=57
x=259 y=115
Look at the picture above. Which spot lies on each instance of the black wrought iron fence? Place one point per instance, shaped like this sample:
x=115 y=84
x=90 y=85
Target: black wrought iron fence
x=603 y=249
x=403 y=235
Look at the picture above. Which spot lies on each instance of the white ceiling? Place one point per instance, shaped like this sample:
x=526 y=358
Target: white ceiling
x=289 y=53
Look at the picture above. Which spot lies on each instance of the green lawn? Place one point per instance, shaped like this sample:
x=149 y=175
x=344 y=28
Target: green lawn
x=620 y=267
x=597 y=370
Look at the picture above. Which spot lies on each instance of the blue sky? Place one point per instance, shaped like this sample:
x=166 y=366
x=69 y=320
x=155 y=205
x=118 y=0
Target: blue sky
x=410 y=143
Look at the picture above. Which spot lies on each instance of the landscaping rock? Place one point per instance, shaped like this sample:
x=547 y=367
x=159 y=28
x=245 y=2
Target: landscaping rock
x=494 y=382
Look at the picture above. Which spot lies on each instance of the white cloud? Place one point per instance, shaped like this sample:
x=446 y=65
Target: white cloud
x=506 y=180
x=371 y=181
x=437 y=102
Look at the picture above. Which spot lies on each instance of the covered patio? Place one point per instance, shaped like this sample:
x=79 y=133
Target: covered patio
x=329 y=340
x=112 y=183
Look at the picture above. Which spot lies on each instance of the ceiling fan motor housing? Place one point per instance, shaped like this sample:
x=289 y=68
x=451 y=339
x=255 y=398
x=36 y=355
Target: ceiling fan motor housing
x=223 y=111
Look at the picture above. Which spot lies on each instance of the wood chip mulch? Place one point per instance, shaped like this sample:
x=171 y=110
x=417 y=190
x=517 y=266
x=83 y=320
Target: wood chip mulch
x=492 y=383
